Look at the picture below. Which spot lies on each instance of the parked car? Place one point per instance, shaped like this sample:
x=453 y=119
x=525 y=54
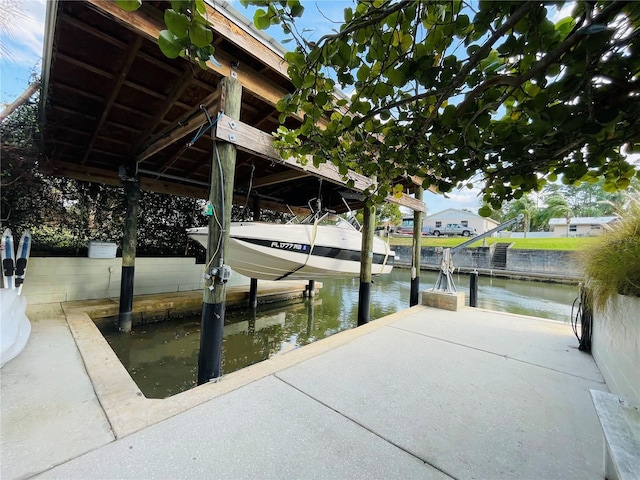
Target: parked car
x=454 y=229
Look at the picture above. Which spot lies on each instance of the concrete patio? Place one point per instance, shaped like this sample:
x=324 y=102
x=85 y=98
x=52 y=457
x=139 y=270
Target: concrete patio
x=423 y=393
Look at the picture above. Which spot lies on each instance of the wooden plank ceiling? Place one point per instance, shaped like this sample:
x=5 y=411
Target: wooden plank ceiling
x=111 y=98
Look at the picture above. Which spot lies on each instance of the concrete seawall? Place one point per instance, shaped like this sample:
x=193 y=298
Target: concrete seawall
x=551 y=262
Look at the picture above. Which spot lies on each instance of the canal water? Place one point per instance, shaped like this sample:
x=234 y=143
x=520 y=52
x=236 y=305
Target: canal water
x=162 y=357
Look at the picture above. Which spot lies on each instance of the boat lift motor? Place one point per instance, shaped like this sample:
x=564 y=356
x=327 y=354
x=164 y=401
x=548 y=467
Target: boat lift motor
x=445 y=283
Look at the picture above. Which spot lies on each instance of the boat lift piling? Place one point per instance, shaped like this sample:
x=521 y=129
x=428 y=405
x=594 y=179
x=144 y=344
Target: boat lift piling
x=129 y=240
x=417 y=248
x=223 y=164
x=366 y=258
x=473 y=289
x=253 y=294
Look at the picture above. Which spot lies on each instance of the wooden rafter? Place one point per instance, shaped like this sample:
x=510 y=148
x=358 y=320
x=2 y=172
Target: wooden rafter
x=115 y=91
x=149 y=26
x=176 y=91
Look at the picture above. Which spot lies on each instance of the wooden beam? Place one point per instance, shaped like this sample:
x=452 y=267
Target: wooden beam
x=260 y=143
x=245 y=40
x=110 y=177
x=188 y=125
x=276 y=178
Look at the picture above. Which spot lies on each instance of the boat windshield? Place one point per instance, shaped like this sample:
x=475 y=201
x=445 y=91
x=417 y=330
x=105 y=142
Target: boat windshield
x=330 y=219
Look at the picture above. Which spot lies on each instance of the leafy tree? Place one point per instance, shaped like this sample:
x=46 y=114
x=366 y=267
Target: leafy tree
x=589 y=199
x=27 y=197
x=388 y=212
x=525 y=206
x=558 y=207
x=447 y=90
x=65 y=214
x=385 y=212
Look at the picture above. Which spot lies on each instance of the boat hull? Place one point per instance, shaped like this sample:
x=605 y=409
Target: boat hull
x=297 y=252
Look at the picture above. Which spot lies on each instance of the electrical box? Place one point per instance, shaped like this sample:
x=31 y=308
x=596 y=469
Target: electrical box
x=102 y=249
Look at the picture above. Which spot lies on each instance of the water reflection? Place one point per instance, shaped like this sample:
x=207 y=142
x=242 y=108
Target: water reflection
x=162 y=358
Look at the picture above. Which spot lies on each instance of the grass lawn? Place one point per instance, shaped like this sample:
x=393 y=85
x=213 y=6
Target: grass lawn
x=559 y=243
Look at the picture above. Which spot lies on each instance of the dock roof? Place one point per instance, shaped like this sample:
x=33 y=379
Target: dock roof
x=110 y=98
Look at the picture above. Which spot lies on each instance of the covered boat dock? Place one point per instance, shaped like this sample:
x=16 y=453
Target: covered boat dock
x=116 y=111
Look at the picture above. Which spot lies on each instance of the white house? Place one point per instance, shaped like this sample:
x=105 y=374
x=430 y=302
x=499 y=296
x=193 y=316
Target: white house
x=466 y=219
x=579 y=226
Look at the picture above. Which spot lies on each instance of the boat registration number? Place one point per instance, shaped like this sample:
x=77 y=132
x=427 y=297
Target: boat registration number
x=290 y=246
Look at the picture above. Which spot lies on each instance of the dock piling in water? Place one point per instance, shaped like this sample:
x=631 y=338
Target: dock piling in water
x=473 y=289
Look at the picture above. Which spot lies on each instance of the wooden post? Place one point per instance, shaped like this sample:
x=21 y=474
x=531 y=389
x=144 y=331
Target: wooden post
x=223 y=166
x=129 y=240
x=417 y=248
x=366 y=258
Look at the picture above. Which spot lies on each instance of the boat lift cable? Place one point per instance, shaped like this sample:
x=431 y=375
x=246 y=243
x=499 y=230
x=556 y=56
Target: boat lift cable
x=222 y=225
x=583 y=316
x=311 y=246
x=205 y=127
x=220 y=247
x=246 y=203
x=316 y=219
x=387 y=251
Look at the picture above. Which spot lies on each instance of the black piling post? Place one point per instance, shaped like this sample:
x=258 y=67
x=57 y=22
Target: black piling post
x=210 y=354
x=364 y=303
x=129 y=240
x=253 y=293
x=415 y=291
x=311 y=288
x=417 y=250
x=473 y=289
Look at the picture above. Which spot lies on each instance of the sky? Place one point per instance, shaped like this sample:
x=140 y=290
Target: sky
x=22 y=39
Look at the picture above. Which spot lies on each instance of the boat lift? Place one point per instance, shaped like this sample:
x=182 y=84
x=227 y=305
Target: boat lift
x=445 y=282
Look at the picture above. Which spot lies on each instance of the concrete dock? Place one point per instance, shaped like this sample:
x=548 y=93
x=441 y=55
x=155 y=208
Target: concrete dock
x=423 y=393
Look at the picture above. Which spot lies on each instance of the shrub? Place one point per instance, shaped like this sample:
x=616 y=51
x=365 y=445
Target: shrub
x=612 y=264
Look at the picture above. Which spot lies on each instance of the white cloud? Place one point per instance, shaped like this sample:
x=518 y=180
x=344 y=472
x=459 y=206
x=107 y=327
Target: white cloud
x=24 y=33
x=458 y=198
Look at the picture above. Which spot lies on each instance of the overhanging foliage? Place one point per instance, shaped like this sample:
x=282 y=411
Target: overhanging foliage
x=459 y=92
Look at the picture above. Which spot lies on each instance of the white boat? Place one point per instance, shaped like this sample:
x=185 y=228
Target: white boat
x=322 y=247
